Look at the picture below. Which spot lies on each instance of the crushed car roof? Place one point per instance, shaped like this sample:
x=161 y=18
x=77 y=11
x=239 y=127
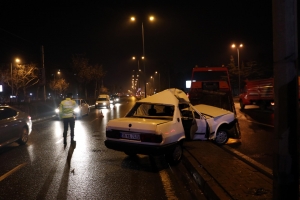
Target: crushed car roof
x=168 y=96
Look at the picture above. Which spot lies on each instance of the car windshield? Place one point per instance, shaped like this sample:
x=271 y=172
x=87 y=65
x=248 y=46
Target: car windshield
x=101 y=99
x=157 y=111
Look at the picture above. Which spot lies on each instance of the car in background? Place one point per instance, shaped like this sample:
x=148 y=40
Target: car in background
x=115 y=99
x=82 y=109
x=103 y=100
x=15 y=125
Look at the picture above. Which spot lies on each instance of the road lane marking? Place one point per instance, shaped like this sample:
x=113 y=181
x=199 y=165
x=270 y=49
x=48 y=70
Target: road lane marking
x=167 y=185
x=59 y=141
x=267 y=171
x=12 y=171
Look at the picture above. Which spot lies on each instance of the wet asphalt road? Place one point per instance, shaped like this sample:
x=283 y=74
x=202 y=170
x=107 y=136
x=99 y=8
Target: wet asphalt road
x=46 y=169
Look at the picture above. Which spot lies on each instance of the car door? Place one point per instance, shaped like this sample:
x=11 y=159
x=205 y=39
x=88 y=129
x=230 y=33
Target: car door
x=188 y=120
x=200 y=133
x=9 y=128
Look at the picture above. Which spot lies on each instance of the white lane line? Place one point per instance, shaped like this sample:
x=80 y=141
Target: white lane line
x=12 y=171
x=167 y=185
x=257 y=164
x=59 y=141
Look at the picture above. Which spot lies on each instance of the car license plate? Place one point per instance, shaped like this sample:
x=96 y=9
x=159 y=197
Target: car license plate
x=130 y=136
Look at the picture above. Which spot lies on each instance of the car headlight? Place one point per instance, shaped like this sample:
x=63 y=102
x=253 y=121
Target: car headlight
x=57 y=110
x=104 y=103
x=76 y=110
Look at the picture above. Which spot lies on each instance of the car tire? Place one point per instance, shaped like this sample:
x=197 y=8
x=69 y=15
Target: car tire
x=24 y=136
x=221 y=137
x=175 y=155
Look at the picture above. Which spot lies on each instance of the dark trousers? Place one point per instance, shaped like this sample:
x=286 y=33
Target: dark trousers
x=69 y=121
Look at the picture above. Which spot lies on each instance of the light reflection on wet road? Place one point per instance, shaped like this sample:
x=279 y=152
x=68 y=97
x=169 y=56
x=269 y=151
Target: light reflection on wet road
x=87 y=170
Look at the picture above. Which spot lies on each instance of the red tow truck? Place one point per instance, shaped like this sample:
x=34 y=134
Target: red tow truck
x=259 y=92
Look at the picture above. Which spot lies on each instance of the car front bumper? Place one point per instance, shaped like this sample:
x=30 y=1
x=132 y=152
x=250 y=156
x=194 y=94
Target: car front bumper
x=140 y=148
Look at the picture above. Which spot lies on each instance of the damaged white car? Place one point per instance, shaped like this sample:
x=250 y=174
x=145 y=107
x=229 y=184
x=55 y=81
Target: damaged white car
x=158 y=125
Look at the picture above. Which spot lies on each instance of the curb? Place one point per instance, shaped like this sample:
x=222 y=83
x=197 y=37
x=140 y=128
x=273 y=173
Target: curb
x=204 y=180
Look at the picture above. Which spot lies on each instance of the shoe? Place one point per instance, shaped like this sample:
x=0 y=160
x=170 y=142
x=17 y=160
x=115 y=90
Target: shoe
x=65 y=140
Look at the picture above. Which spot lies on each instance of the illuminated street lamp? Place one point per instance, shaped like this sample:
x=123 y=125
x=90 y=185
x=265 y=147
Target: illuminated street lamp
x=151 y=18
x=238 y=53
x=139 y=70
x=11 y=76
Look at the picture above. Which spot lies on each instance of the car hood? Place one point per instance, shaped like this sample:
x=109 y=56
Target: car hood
x=211 y=110
x=135 y=124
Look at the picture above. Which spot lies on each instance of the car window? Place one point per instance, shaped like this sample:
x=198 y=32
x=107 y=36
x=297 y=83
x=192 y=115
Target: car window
x=101 y=99
x=151 y=110
x=7 y=113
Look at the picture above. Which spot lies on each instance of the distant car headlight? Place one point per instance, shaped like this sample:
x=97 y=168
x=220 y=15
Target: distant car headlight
x=76 y=110
x=57 y=110
x=117 y=99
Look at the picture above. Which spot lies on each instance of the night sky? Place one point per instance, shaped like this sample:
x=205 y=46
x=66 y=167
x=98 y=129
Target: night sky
x=182 y=36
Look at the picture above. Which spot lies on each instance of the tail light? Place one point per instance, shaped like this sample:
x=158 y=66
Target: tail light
x=151 y=138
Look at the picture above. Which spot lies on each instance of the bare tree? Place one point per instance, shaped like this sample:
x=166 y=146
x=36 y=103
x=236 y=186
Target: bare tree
x=21 y=77
x=87 y=73
x=97 y=75
x=80 y=65
x=59 y=85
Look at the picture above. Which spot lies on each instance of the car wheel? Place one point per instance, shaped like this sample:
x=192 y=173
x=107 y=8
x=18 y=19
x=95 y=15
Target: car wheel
x=175 y=156
x=242 y=105
x=24 y=136
x=221 y=137
x=129 y=153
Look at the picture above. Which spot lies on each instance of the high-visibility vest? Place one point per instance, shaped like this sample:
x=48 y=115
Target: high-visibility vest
x=66 y=108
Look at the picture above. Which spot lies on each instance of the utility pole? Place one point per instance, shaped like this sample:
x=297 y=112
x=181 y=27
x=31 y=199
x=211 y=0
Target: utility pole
x=286 y=142
x=44 y=74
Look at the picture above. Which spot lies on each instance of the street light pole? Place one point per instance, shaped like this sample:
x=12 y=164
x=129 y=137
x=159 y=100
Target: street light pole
x=238 y=54
x=158 y=80
x=151 y=18
x=144 y=61
x=12 y=84
x=11 y=75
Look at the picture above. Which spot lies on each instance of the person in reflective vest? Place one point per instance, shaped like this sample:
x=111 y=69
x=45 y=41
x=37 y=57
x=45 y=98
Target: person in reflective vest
x=66 y=111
